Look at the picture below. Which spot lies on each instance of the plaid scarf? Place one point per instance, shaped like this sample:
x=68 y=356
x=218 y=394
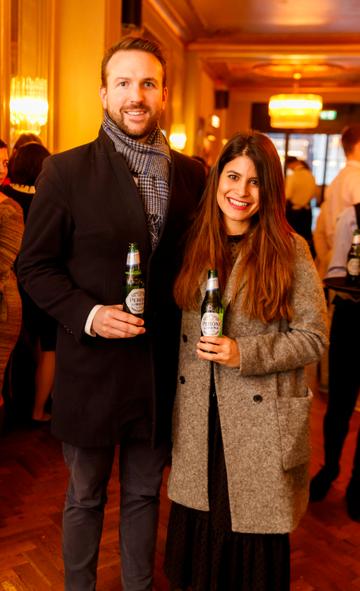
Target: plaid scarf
x=149 y=164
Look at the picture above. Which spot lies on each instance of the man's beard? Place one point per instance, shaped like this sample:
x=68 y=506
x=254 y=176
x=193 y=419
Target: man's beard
x=150 y=125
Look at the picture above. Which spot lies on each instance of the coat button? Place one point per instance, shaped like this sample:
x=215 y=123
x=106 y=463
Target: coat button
x=182 y=380
x=184 y=338
x=257 y=398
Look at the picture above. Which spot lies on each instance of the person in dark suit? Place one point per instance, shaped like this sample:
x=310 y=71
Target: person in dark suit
x=115 y=372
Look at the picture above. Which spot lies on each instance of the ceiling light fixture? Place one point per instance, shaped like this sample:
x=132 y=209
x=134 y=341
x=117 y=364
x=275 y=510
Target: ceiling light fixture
x=295 y=110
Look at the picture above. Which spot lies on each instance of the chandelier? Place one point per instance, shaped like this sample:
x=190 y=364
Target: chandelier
x=28 y=104
x=298 y=111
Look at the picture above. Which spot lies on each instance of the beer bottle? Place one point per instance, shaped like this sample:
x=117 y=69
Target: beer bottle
x=353 y=261
x=134 y=283
x=212 y=310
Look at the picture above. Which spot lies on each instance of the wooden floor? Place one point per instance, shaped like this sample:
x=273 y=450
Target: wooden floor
x=325 y=548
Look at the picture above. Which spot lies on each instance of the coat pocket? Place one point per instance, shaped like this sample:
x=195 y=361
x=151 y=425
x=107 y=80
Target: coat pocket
x=294 y=425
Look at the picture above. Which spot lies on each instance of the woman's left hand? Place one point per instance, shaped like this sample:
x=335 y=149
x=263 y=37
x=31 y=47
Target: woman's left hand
x=222 y=350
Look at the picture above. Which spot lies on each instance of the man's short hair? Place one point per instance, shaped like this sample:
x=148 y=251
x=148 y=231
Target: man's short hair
x=131 y=44
x=290 y=160
x=350 y=137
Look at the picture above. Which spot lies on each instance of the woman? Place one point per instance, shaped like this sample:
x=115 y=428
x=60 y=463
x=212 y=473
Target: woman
x=11 y=230
x=24 y=167
x=239 y=477
x=4 y=161
x=39 y=330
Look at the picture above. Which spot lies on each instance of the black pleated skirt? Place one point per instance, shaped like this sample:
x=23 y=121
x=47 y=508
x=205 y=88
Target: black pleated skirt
x=202 y=553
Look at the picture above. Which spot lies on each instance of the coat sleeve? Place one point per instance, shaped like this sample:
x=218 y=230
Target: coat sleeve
x=42 y=266
x=300 y=342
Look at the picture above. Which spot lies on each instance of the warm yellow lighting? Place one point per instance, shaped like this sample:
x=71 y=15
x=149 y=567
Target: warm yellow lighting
x=215 y=121
x=177 y=136
x=298 y=111
x=28 y=104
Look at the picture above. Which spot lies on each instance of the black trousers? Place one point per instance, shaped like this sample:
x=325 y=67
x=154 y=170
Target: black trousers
x=344 y=382
x=140 y=473
x=300 y=220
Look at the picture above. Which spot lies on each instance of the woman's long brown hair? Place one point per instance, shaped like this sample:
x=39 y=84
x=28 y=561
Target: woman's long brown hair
x=267 y=250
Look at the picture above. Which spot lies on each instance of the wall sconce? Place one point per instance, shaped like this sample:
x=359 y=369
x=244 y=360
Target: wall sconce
x=211 y=137
x=28 y=104
x=177 y=136
x=215 y=121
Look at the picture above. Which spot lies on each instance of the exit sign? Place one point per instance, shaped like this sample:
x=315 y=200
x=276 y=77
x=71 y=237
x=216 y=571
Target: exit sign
x=328 y=115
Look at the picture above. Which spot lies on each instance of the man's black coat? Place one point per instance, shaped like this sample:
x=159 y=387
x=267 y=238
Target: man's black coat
x=85 y=212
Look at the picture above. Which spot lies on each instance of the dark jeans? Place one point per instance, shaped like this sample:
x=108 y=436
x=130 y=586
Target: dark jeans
x=344 y=382
x=140 y=470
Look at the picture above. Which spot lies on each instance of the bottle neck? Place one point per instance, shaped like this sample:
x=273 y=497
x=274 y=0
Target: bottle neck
x=133 y=259
x=212 y=284
x=133 y=263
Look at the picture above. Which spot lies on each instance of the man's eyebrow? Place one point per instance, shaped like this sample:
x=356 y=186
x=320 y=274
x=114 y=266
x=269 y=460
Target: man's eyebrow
x=147 y=78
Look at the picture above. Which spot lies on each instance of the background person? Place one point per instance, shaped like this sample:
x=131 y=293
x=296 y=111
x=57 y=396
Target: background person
x=24 y=138
x=344 y=375
x=11 y=230
x=300 y=188
x=4 y=162
x=239 y=476
x=115 y=373
x=26 y=164
x=342 y=192
x=33 y=367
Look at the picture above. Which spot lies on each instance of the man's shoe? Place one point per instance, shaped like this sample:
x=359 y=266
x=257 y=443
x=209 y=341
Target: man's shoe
x=353 y=500
x=321 y=483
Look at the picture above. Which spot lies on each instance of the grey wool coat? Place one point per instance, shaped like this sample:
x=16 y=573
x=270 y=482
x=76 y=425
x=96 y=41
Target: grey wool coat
x=264 y=408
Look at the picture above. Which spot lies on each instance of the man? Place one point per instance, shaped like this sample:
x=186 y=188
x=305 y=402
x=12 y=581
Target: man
x=115 y=373
x=344 y=376
x=342 y=192
x=300 y=188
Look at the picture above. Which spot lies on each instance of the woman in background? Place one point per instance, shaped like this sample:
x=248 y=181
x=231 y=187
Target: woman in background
x=39 y=330
x=239 y=476
x=24 y=138
x=4 y=162
x=11 y=231
x=24 y=167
